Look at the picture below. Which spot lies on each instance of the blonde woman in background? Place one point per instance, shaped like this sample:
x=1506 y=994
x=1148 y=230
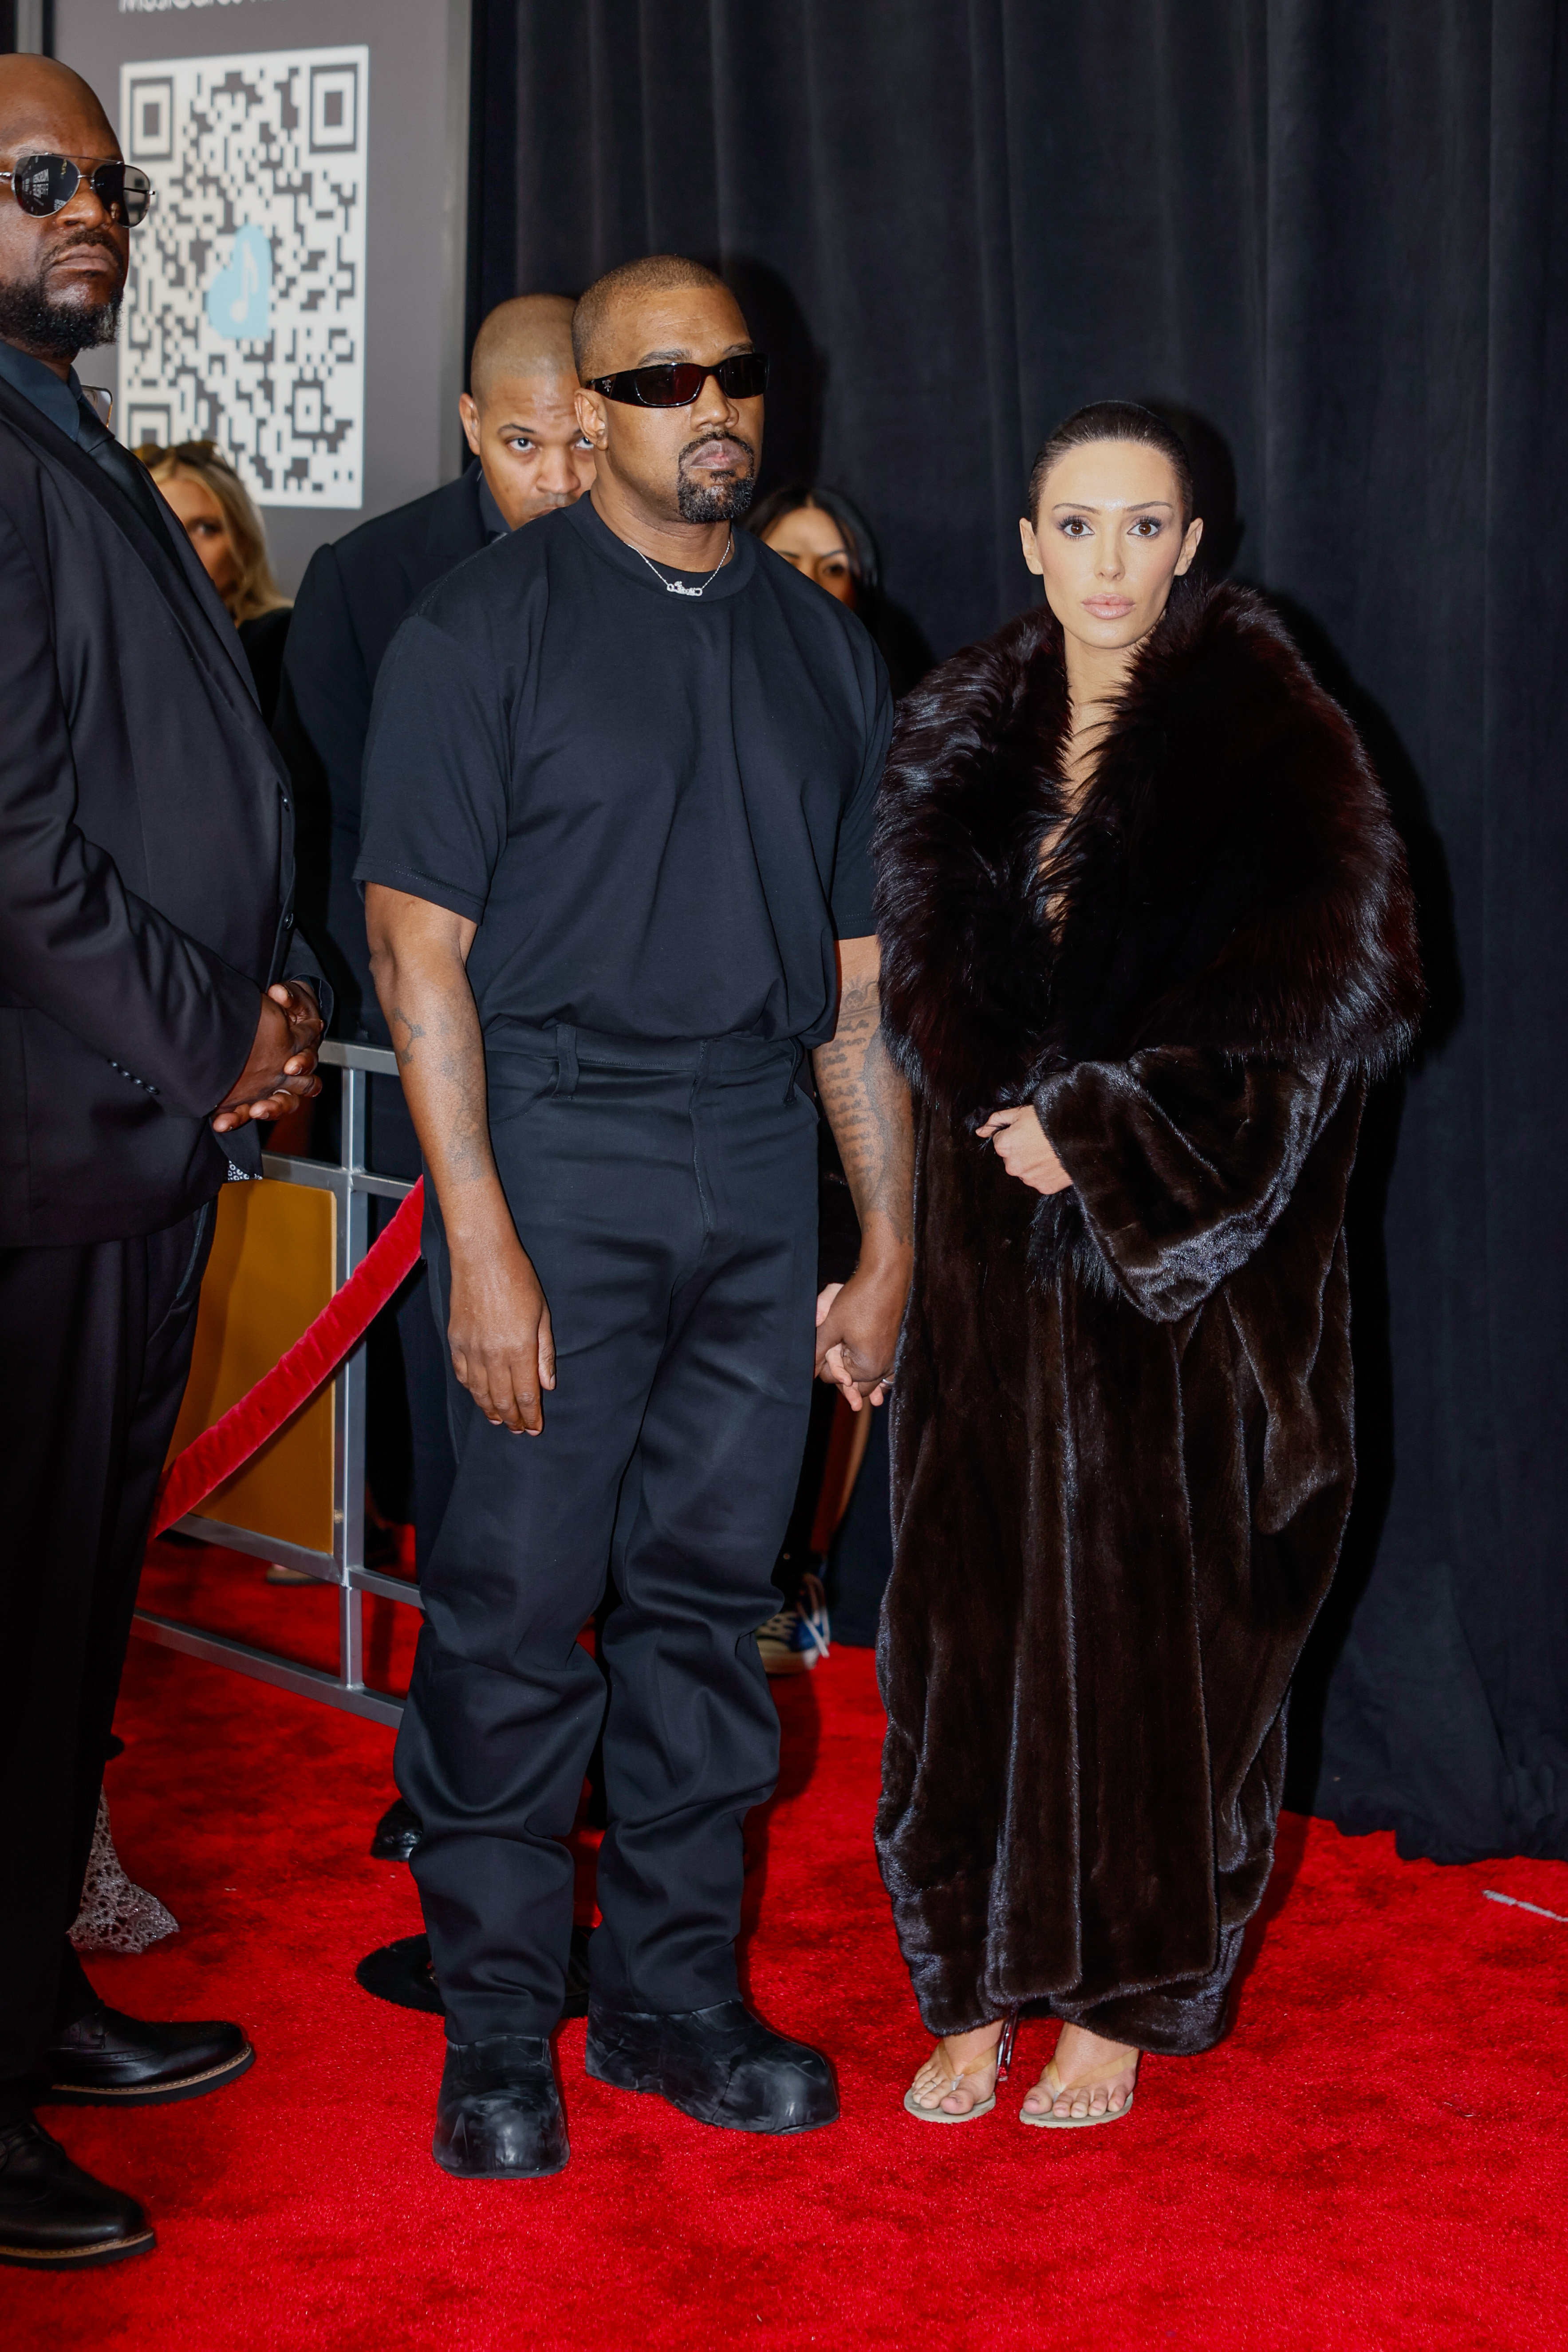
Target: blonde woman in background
x=228 y=534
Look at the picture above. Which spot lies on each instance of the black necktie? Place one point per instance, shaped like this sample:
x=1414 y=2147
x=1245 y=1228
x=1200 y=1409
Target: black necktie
x=128 y=474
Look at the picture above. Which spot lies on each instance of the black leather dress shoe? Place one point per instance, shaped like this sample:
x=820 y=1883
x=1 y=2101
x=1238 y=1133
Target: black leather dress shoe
x=498 y=2117
x=109 y=2060
x=55 y=2217
x=720 y=2065
x=397 y=1832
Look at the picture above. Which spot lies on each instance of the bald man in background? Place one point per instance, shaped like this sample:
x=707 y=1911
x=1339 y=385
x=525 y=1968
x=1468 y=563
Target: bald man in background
x=530 y=457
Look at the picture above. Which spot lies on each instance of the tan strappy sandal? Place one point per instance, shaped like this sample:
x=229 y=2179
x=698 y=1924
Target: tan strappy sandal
x=1053 y=2082
x=981 y=2106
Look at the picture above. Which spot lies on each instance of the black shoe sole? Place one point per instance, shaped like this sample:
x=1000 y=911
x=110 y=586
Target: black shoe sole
x=655 y=2089
x=79 y=2258
x=158 y=2095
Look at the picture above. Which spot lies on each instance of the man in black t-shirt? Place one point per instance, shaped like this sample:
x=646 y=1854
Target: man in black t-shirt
x=619 y=790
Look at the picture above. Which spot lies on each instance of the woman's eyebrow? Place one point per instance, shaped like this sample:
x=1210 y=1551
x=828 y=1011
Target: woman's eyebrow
x=1116 y=506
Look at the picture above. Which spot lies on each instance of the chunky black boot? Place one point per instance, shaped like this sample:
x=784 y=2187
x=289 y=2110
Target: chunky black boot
x=720 y=2065
x=498 y=2117
x=55 y=2217
x=107 y=2059
x=397 y=1834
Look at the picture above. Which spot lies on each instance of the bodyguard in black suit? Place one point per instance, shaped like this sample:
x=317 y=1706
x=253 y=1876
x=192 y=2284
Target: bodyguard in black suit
x=156 y=1002
x=530 y=457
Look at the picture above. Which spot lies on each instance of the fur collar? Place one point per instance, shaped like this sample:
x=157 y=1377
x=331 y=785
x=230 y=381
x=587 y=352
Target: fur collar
x=1230 y=880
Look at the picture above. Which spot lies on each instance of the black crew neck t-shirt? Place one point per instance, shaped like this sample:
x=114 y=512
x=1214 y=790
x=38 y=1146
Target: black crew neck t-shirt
x=657 y=808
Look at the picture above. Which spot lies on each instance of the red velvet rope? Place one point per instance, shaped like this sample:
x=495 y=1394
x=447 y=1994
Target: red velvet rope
x=315 y=1356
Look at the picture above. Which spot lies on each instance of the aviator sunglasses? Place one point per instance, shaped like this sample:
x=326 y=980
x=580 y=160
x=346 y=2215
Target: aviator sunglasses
x=677 y=384
x=43 y=185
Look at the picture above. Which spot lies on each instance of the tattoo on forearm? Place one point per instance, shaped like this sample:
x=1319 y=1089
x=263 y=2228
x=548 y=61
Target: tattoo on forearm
x=867 y=1106
x=446 y=1083
x=400 y=1020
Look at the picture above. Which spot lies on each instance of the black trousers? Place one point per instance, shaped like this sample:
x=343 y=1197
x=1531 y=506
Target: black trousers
x=96 y=1342
x=408 y=1454
x=667 y=1196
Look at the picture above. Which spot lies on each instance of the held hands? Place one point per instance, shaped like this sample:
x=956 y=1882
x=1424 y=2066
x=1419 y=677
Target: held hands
x=498 y=1328
x=279 y=1074
x=857 y=1331
x=1025 y=1150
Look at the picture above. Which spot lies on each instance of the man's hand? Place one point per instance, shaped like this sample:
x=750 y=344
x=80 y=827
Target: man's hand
x=857 y=1332
x=498 y=1325
x=498 y=1328
x=280 y=1072
x=1025 y=1150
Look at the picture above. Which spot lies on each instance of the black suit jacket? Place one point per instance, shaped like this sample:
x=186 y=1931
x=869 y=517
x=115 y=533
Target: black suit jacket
x=146 y=856
x=347 y=613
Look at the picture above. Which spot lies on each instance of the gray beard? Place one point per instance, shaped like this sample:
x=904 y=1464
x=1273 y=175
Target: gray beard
x=55 y=330
x=711 y=501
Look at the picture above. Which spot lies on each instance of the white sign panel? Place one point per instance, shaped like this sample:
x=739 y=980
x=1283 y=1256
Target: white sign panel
x=243 y=320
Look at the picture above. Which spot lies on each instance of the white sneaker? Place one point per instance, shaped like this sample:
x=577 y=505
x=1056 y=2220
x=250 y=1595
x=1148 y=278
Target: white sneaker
x=792 y=1642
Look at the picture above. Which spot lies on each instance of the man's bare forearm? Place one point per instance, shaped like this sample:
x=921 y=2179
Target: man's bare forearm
x=424 y=989
x=868 y=1107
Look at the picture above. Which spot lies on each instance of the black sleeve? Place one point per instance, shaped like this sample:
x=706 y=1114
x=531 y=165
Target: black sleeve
x=75 y=942
x=437 y=772
x=853 y=880
x=320 y=726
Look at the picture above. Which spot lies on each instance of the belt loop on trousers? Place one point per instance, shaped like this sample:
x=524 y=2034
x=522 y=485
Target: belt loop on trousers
x=565 y=1060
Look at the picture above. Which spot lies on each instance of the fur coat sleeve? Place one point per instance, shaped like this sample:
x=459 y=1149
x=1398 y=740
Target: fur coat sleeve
x=1181 y=1160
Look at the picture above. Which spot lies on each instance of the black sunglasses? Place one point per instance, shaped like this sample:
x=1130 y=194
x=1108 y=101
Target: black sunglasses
x=43 y=185
x=678 y=383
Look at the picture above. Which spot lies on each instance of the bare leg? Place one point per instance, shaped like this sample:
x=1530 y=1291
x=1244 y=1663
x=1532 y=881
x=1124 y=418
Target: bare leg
x=1093 y=2077
x=961 y=2071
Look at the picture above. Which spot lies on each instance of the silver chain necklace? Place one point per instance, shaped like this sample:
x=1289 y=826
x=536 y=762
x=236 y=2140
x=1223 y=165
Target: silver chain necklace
x=678 y=587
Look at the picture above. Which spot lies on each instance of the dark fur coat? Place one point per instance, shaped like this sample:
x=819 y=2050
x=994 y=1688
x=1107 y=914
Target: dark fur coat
x=1123 y=1436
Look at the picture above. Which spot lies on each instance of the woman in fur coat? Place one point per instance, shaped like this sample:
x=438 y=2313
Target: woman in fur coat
x=1146 y=938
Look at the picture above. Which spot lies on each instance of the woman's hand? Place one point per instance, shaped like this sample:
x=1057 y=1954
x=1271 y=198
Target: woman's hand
x=1024 y=1149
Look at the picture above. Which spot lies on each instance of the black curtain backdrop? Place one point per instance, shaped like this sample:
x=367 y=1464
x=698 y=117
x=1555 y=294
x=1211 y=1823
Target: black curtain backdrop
x=1330 y=238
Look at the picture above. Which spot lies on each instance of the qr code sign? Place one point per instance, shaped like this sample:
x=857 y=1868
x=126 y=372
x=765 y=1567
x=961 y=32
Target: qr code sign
x=243 y=320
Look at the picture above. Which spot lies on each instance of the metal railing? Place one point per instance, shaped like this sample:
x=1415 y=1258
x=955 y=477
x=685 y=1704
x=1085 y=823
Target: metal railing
x=354 y=1186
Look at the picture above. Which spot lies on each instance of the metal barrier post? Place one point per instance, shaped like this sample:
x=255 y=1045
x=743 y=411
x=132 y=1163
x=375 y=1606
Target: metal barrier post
x=354 y=1186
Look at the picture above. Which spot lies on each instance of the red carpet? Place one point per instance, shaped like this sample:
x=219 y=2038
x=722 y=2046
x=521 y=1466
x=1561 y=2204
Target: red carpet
x=1375 y=2158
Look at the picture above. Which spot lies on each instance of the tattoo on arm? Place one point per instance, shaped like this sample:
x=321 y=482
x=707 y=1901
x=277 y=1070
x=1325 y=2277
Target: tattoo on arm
x=444 y=1080
x=867 y=1106
x=415 y=1029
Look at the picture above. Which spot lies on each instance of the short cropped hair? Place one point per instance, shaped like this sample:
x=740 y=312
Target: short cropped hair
x=1113 y=420
x=528 y=336
x=656 y=273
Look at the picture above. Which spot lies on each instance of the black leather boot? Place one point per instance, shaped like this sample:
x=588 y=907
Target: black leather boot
x=55 y=2217
x=498 y=2117
x=397 y=1834
x=106 y=2059
x=720 y=2065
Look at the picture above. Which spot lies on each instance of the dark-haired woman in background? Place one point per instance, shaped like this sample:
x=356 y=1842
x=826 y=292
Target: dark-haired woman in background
x=1146 y=937
x=824 y=535
x=228 y=535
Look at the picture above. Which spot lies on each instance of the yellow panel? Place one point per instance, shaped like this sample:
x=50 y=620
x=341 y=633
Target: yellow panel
x=270 y=1276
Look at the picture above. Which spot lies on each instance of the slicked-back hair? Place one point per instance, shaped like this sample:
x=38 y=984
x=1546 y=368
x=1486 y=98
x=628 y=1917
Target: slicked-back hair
x=1113 y=420
x=656 y=273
